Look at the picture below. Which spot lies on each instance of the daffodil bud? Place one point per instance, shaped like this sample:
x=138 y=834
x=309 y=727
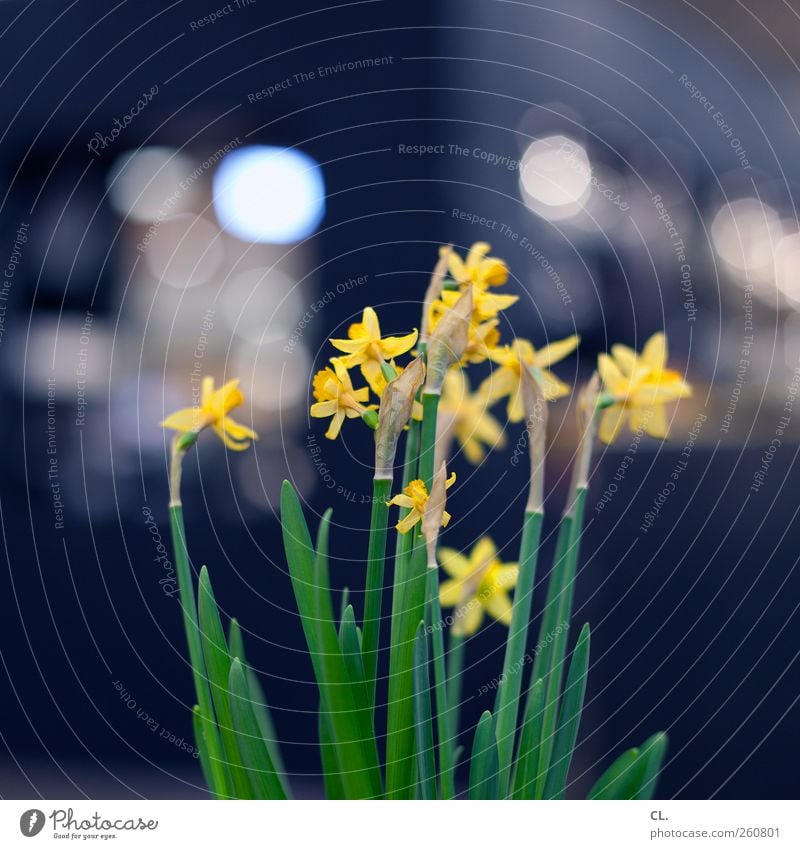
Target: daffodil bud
x=587 y=422
x=434 y=515
x=448 y=342
x=434 y=290
x=397 y=402
x=535 y=405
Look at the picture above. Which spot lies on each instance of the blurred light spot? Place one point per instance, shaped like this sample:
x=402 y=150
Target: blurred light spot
x=261 y=304
x=145 y=184
x=272 y=378
x=269 y=194
x=787 y=267
x=185 y=251
x=555 y=177
x=745 y=234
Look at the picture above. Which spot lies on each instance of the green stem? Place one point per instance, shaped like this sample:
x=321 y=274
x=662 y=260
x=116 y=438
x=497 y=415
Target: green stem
x=400 y=767
x=455 y=665
x=506 y=711
x=376 y=555
x=443 y=724
x=430 y=407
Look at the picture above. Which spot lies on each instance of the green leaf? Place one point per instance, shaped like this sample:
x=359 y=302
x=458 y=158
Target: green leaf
x=344 y=701
x=569 y=718
x=556 y=641
x=634 y=773
x=259 y=704
x=527 y=769
x=653 y=752
x=350 y=645
x=252 y=748
x=221 y=785
x=331 y=771
x=218 y=666
x=373 y=594
x=423 y=725
x=484 y=764
x=202 y=747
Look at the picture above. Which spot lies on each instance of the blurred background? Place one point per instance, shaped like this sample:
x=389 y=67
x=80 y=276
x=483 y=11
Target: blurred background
x=198 y=188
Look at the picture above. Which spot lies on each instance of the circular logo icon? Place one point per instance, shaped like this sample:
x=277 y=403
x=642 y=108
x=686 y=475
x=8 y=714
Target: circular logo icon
x=31 y=822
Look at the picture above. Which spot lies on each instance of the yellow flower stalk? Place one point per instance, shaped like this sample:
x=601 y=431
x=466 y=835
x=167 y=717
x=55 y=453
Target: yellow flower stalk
x=478 y=268
x=336 y=397
x=477 y=585
x=415 y=497
x=639 y=386
x=512 y=359
x=465 y=415
x=366 y=348
x=215 y=404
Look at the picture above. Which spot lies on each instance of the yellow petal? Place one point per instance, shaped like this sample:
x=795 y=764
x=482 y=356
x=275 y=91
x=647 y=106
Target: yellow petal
x=609 y=372
x=654 y=353
x=482 y=552
x=185 y=420
x=353 y=347
x=407 y=523
x=336 y=424
x=552 y=387
x=450 y=592
x=498 y=605
x=505 y=576
x=237 y=431
x=401 y=500
x=555 y=351
x=625 y=358
x=371 y=324
x=657 y=424
x=454 y=563
x=611 y=423
x=232 y=444
x=206 y=390
x=371 y=369
x=393 y=346
x=468 y=619
x=323 y=409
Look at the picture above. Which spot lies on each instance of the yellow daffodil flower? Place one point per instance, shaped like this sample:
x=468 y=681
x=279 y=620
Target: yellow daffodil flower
x=213 y=412
x=640 y=385
x=367 y=349
x=478 y=584
x=478 y=268
x=336 y=397
x=465 y=415
x=485 y=305
x=415 y=497
x=521 y=354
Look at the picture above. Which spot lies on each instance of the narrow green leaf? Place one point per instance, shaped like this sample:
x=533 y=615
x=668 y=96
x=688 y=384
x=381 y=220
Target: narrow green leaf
x=331 y=771
x=455 y=666
x=634 y=773
x=621 y=780
x=222 y=785
x=259 y=704
x=345 y=703
x=400 y=758
x=218 y=666
x=569 y=718
x=527 y=769
x=373 y=596
x=653 y=752
x=484 y=764
x=506 y=705
x=350 y=645
x=423 y=725
x=252 y=748
x=564 y=575
x=202 y=748
x=447 y=742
